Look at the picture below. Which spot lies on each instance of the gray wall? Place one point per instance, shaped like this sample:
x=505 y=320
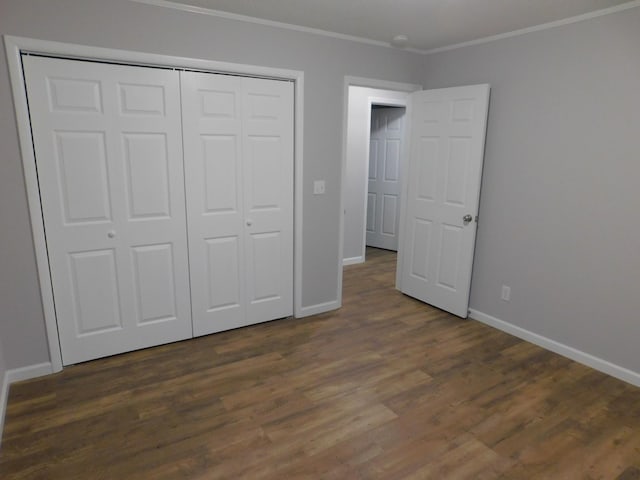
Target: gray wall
x=561 y=190
x=131 y=26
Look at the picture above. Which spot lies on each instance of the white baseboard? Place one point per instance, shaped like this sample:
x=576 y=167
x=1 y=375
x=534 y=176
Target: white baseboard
x=4 y=396
x=317 y=309
x=17 y=375
x=579 y=356
x=27 y=373
x=352 y=260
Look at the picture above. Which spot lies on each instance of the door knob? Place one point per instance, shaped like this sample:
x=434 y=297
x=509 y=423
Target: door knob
x=111 y=234
x=467 y=219
x=249 y=223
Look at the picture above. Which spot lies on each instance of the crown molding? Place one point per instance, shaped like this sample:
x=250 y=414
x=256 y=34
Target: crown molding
x=538 y=28
x=368 y=41
x=271 y=23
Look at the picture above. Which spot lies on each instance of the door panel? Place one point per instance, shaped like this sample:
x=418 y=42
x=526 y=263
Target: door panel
x=449 y=256
x=154 y=283
x=268 y=197
x=82 y=180
x=220 y=164
x=445 y=168
x=224 y=274
x=239 y=153
x=212 y=121
x=94 y=292
x=383 y=206
x=264 y=267
x=390 y=210
x=147 y=168
x=264 y=173
x=421 y=248
x=107 y=142
x=141 y=99
x=392 y=159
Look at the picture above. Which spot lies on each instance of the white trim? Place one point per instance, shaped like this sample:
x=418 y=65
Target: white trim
x=365 y=180
x=298 y=185
x=17 y=375
x=317 y=309
x=352 y=261
x=351 y=81
x=15 y=45
x=33 y=196
x=368 y=41
x=579 y=356
x=4 y=397
x=537 y=28
x=404 y=189
x=271 y=23
x=29 y=372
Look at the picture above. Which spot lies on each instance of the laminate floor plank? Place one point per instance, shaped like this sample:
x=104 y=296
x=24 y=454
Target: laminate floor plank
x=384 y=388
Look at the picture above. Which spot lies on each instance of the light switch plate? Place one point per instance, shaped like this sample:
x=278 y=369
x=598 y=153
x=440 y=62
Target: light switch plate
x=318 y=187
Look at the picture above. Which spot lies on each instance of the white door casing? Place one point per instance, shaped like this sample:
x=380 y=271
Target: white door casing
x=384 y=186
x=239 y=168
x=439 y=225
x=107 y=142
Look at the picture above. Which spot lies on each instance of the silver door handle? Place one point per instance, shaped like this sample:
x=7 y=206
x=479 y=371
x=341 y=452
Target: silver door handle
x=111 y=234
x=249 y=223
x=467 y=219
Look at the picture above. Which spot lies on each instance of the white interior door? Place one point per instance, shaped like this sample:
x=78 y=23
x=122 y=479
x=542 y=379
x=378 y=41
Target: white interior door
x=212 y=122
x=107 y=142
x=268 y=197
x=238 y=145
x=439 y=229
x=383 y=196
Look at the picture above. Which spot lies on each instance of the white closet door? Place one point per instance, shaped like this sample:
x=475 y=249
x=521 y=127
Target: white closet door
x=212 y=118
x=238 y=141
x=107 y=142
x=268 y=197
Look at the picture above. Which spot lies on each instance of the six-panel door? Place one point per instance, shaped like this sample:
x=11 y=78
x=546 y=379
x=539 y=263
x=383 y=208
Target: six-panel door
x=239 y=172
x=383 y=196
x=445 y=169
x=108 y=148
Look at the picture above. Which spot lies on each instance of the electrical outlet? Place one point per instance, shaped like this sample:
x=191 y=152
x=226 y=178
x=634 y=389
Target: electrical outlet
x=506 y=293
x=318 y=187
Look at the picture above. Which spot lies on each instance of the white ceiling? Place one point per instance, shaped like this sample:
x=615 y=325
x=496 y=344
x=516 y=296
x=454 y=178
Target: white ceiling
x=429 y=24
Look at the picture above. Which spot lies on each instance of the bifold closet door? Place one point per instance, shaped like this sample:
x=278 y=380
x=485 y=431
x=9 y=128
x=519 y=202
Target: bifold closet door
x=238 y=143
x=108 y=148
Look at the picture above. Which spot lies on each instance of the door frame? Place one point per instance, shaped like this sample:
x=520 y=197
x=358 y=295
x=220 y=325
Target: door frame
x=16 y=46
x=396 y=87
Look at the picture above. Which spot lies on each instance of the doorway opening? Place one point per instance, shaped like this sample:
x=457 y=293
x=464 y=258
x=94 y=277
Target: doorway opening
x=386 y=145
x=441 y=197
x=359 y=96
x=372 y=175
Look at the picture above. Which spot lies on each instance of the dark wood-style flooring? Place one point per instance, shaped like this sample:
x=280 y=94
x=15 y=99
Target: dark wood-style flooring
x=385 y=388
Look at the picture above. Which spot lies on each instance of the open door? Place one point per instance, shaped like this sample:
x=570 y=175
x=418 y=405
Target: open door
x=445 y=169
